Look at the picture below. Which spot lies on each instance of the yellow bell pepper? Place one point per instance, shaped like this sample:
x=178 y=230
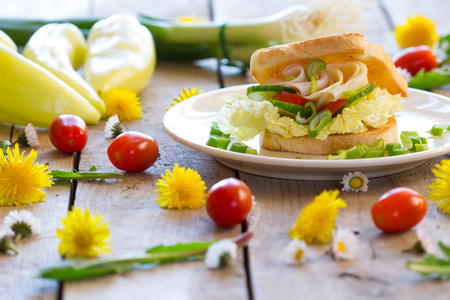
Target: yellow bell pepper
x=121 y=54
x=61 y=49
x=6 y=40
x=31 y=94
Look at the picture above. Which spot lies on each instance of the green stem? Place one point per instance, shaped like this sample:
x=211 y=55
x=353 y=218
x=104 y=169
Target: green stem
x=73 y=270
x=84 y=175
x=428 y=269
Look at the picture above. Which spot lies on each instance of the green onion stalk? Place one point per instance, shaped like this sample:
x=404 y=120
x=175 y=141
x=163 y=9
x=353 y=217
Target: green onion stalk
x=235 y=41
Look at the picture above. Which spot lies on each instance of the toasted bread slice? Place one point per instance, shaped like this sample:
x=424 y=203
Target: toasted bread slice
x=338 y=48
x=333 y=143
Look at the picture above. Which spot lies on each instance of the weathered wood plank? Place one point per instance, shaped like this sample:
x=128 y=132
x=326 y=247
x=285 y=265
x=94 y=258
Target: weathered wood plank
x=136 y=220
x=379 y=270
x=36 y=251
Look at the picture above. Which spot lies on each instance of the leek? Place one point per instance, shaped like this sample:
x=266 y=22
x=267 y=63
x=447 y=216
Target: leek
x=235 y=41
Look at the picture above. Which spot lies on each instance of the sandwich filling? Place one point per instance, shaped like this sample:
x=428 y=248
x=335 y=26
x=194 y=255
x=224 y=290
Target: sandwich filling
x=331 y=82
x=244 y=118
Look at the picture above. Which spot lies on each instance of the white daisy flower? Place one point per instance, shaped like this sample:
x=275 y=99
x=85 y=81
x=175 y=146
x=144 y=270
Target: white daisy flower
x=355 y=182
x=295 y=253
x=113 y=128
x=426 y=242
x=405 y=74
x=344 y=244
x=28 y=138
x=221 y=254
x=22 y=223
x=6 y=243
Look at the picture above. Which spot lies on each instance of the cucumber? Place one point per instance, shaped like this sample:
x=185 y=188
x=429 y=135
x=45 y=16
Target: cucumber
x=266 y=92
x=364 y=91
x=287 y=109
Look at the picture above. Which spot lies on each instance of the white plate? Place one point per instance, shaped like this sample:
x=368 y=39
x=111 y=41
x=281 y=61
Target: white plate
x=189 y=123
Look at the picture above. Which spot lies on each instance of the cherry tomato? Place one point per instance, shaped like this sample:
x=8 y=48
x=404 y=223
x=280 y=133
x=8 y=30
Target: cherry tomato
x=334 y=106
x=399 y=209
x=415 y=58
x=68 y=133
x=290 y=98
x=228 y=202
x=133 y=151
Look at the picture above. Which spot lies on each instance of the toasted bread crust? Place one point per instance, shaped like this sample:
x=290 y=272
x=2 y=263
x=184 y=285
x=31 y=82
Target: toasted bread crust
x=333 y=143
x=338 y=48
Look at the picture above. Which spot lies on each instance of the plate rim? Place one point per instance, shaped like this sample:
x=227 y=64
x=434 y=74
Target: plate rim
x=300 y=163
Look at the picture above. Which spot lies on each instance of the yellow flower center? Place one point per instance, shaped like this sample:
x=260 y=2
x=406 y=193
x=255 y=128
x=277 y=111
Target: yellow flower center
x=341 y=246
x=299 y=254
x=83 y=239
x=356 y=182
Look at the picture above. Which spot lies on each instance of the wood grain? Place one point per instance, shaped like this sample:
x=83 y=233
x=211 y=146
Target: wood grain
x=137 y=222
x=42 y=249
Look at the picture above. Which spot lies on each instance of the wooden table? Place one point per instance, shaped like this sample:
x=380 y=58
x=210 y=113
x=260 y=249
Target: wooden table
x=137 y=222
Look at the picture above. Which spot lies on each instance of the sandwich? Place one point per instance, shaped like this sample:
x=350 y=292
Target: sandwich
x=318 y=96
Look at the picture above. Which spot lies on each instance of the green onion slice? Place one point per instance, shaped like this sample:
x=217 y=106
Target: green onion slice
x=238 y=147
x=421 y=147
x=223 y=143
x=266 y=92
x=423 y=140
x=318 y=123
x=379 y=145
x=341 y=154
x=289 y=78
x=397 y=150
x=212 y=141
x=314 y=67
x=364 y=91
x=392 y=146
x=374 y=153
x=251 y=151
x=407 y=138
x=357 y=151
x=313 y=87
x=438 y=129
x=306 y=113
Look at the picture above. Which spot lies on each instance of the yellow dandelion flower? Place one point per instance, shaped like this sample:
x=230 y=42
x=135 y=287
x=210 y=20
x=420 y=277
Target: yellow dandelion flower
x=316 y=221
x=180 y=189
x=123 y=103
x=419 y=30
x=83 y=234
x=185 y=95
x=21 y=180
x=440 y=189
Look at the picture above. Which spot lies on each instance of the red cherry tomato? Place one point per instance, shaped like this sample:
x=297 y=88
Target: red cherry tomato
x=290 y=98
x=133 y=152
x=415 y=58
x=68 y=133
x=399 y=209
x=334 y=106
x=228 y=202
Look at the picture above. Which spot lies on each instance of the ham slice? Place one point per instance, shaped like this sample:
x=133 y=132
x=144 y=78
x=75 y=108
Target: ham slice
x=331 y=82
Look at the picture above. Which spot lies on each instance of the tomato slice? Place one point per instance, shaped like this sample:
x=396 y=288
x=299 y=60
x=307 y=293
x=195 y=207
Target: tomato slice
x=290 y=98
x=415 y=58
x=334 y=106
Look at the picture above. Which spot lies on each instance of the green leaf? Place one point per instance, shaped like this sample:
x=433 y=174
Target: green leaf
x=83 y=268
x=57 y=174
x=195 y=246
x=93 y=169
x=432 y=266
x=445 y=249
x=427 y=80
